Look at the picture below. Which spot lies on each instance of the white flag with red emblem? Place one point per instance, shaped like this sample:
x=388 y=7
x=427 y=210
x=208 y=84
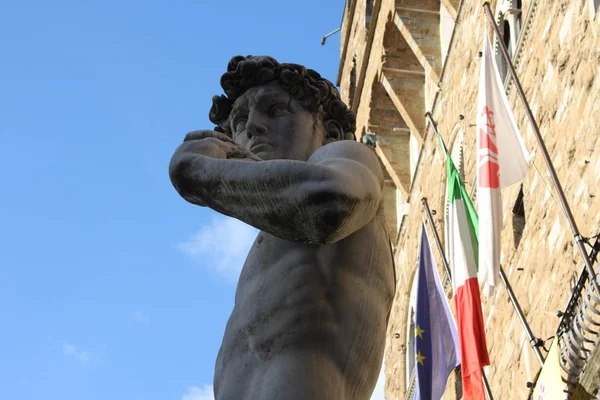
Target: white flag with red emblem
x=502 y=160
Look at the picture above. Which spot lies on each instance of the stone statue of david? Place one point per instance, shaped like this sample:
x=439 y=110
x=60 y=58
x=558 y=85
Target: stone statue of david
x=315 y=292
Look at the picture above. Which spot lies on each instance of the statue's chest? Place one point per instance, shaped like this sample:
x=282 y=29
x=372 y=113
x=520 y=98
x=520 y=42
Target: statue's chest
x=275 y=269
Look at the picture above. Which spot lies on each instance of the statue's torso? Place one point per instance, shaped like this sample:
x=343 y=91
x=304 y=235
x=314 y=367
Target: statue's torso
x=309 y=320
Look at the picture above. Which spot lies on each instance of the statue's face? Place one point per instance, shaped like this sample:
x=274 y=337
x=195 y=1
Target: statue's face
x=271 y=124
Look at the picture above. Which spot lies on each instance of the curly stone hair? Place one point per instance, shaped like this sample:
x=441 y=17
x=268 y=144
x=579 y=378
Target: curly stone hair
x=315 y=93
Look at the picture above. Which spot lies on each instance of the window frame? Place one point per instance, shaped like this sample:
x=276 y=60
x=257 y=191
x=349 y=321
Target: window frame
x=508 y=12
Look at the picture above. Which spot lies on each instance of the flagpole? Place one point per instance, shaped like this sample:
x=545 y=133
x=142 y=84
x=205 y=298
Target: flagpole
x=436 y=237
x=511 y=295
x=532 y=339
x=486 y=385
x=429 y=117
x=561 y=195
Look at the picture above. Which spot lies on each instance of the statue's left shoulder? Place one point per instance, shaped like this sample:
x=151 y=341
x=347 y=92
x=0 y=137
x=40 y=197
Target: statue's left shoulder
x=348 y=150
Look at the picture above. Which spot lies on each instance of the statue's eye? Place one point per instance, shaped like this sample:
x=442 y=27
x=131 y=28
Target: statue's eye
x=279 y=109
x=240 y=124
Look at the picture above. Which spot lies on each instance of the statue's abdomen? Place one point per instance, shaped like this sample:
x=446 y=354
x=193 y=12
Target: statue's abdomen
x=297 y=303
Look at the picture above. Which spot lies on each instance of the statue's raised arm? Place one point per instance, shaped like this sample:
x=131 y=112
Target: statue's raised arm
x=316 y=289
x=322 y=200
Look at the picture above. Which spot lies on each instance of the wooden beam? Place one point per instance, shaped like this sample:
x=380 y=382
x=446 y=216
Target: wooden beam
x=402 y=72
x=408 y=119
x=417 y=10
x=451 y=9
x=415 y=47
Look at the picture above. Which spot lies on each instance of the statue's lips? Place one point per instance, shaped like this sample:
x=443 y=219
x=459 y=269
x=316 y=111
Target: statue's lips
x=261 y=146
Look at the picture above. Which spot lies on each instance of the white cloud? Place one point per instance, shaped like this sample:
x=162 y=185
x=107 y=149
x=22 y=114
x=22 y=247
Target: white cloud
x=140 y=316
x=196 y=393
x=71 y=350
x=378 y=393
x=222 y=245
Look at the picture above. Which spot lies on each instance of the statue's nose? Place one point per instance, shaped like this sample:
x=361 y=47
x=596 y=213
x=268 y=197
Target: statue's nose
x=255 y=127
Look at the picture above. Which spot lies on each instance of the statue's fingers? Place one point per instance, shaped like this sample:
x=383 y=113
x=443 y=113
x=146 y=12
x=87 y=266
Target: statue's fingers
x=247 y=153
x=223 y=137
x=239 y=152
x=204 y=134
x=235 y=152
x=253 y=156
x=195 y=135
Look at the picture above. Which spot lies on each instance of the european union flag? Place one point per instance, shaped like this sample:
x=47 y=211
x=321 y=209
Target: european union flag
x=436 y=340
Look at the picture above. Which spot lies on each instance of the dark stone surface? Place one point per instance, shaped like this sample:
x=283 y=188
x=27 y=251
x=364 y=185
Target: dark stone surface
x=315 y=292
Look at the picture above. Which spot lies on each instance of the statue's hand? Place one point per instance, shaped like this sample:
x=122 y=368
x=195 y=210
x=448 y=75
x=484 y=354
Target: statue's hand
x=217 y=145
x=188 y=171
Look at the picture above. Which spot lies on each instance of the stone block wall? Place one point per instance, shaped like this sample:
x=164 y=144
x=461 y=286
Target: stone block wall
x=559 y=68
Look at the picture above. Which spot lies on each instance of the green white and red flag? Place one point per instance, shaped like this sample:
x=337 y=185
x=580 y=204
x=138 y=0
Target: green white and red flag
x=462 y=248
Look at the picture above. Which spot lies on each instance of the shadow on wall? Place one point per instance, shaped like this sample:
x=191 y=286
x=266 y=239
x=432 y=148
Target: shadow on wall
x=518 y=218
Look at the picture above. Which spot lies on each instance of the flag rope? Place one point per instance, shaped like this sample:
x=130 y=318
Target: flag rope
x=548 y=189
x=541 y=178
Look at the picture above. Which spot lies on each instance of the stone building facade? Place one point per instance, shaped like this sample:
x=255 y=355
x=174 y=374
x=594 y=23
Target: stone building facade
x=403 y=58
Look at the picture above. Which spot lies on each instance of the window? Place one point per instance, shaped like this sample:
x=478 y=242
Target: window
x=446 y=28
x=500 y=61
x=515 y=16
x=518 y=218
x=519 y=209
x=506 y=37
x=352 y=88
x=519 y=17
x=509 y=20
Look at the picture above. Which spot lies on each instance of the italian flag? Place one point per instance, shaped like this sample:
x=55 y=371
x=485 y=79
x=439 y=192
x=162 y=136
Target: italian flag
x=462 y=244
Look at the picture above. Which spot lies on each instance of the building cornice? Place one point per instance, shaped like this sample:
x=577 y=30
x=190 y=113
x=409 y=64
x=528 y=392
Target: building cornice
x=366 y=56
x=346 y=38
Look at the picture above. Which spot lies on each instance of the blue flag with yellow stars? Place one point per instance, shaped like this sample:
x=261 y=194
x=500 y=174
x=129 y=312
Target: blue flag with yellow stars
x=436 y=340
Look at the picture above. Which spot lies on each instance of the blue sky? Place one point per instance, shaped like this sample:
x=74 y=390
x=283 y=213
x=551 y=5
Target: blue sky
x=113 y=287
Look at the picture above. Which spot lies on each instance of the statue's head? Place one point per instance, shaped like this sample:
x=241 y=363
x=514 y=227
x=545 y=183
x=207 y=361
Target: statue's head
x=279 y=111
